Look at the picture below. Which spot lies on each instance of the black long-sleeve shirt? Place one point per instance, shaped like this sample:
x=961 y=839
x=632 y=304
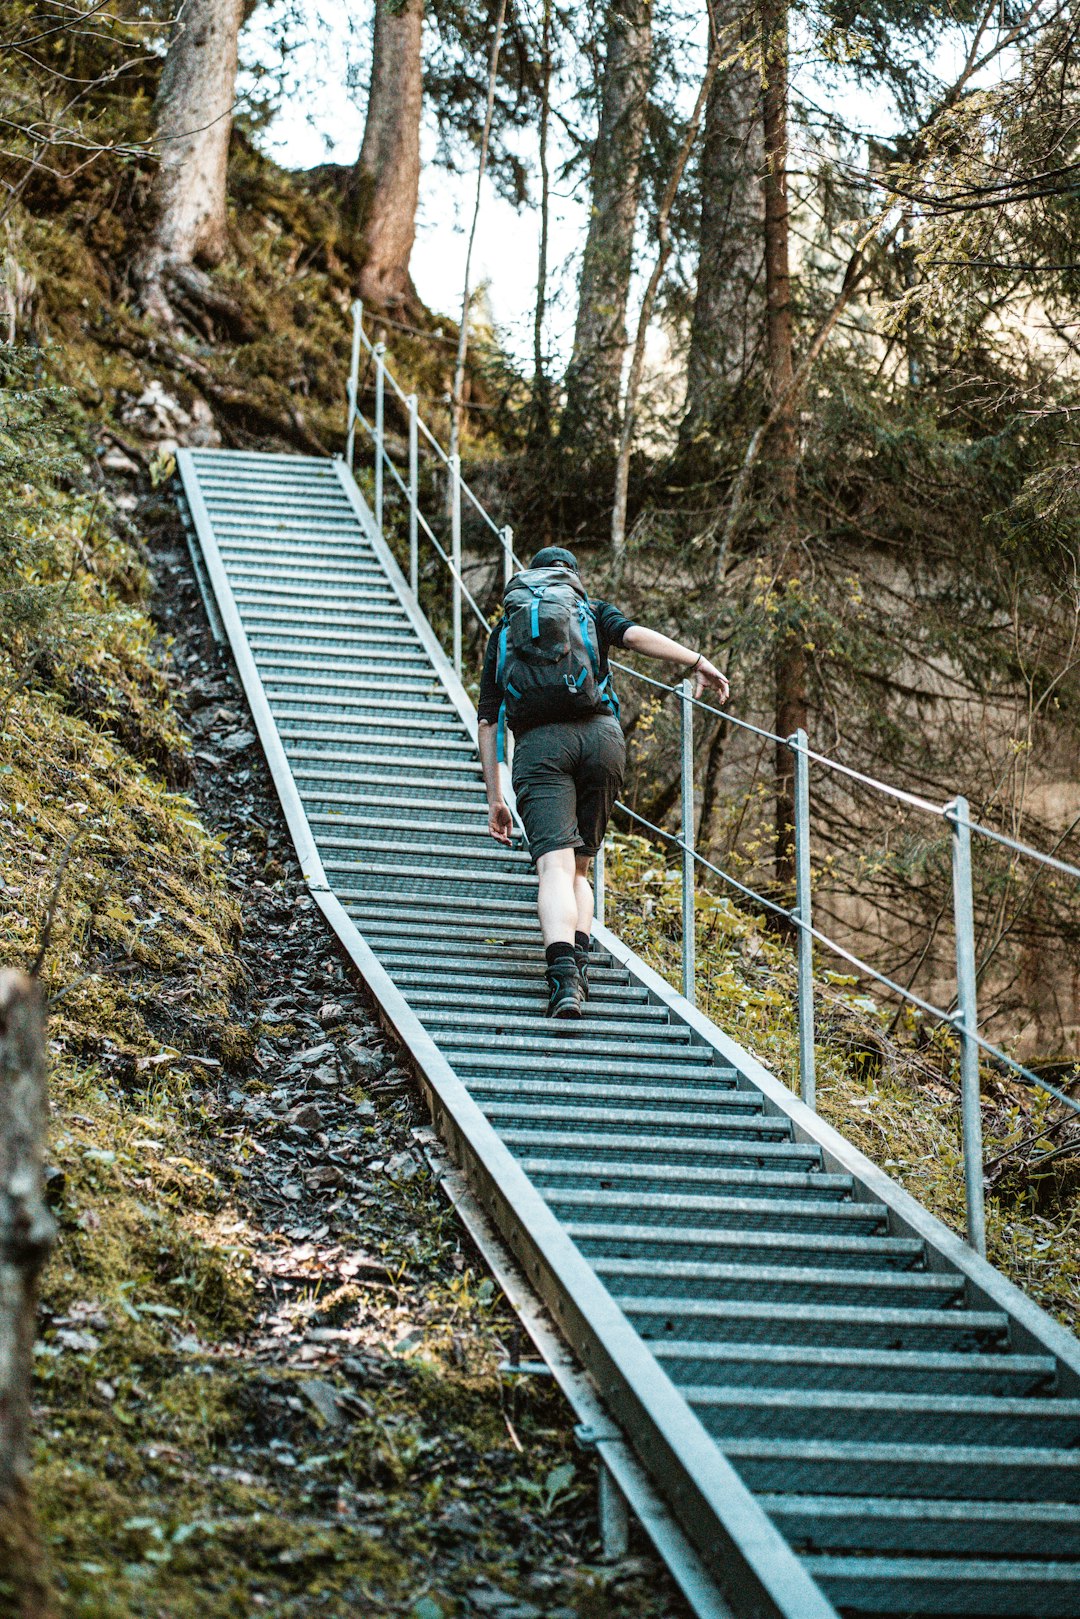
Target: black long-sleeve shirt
x=611 y=628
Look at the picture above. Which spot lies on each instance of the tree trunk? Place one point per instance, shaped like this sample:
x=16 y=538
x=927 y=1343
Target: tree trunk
x=648 y=303
x=457 y=391
x=540 y=425
x=781 y=451
x=727 y=326
x=387 y=175
x=26 y=1236
x=194 y=122
x=594 y=376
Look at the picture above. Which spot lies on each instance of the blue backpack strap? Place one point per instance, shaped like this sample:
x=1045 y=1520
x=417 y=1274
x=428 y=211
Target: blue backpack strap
x=609 y=695
x=501 y=662
x=534 y=616
x=589 y=635
x=500 y=735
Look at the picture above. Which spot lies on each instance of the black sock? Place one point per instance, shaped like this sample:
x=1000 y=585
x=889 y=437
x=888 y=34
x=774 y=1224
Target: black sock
x=558 y=952
x=581 y=940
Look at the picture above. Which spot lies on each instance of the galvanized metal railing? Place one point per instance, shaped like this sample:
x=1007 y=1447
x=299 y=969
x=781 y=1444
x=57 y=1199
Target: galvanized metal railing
x=963 y=1018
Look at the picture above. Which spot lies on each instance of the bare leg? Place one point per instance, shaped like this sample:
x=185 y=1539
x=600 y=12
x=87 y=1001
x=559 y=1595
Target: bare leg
x=557 y=901
x=583 y=893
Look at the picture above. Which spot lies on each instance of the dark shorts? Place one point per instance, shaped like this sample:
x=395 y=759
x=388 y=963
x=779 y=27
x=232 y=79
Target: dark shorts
x=566 y=778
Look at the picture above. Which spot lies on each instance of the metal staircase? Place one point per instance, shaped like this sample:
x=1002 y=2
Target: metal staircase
x=842 y=1406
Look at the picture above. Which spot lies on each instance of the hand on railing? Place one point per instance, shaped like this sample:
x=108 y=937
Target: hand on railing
x=707 y=674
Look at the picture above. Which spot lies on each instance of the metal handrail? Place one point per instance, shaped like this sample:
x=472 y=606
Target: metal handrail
x=964 y=1020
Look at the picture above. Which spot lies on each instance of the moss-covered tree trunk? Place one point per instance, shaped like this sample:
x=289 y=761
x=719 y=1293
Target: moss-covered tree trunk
x=727 y=326
x=594 y=376
x=387 y=175
x=188 y=222
x=26 y=1235
x=781 y=463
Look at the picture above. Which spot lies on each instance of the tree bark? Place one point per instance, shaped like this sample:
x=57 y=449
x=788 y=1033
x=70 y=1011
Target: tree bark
x=27 y=1231
x=594 y=376
x=727 y=326
x=648 y=303
x=781 y=449
x=387 y=174
x=457 y=391
x=540 y=426
x=194 y=122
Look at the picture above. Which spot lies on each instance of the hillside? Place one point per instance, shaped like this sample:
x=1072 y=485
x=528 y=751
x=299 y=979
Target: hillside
x=269 y=1371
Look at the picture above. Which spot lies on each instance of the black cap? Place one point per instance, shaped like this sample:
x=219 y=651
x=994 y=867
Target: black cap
x=555 y=556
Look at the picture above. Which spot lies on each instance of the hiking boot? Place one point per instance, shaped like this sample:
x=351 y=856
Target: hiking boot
x=581 y=957
x=567 y=989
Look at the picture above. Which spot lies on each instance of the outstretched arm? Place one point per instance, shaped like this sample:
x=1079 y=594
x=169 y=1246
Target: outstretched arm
x=654 y=645
x=500 y=821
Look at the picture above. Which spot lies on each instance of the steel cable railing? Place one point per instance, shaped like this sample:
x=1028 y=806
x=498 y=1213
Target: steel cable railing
x=963 y=1020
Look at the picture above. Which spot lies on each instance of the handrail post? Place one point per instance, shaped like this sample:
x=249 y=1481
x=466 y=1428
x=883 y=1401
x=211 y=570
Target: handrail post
x=507 y=536
x=354 y=381
x=803 y=912
x=967 y=1021
x=455 y=555
x=380 y=371
x=414 y=496
x=686 y=736
x=599 y=896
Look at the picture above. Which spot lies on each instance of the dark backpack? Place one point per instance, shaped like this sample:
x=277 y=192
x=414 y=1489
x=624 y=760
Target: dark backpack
x=549 y=652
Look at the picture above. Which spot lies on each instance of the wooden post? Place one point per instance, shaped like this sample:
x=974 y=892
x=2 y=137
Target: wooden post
x=27 y=1231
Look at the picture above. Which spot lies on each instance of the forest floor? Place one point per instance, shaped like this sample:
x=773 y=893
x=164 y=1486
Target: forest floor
x=270 y=1359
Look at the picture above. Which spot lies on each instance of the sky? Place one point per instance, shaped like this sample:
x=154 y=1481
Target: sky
x=321 y=119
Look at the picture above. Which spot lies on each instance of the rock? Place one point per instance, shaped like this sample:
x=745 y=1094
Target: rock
x=323 y=1177
x=402 y=1166
x=330 y=1013
x=323 y=1397
x=359 y=1061
x=313 y=1054
x=236 y=741
x=364 y=1112
x=115 y=460
x=307 y=1115
x=326 y=1076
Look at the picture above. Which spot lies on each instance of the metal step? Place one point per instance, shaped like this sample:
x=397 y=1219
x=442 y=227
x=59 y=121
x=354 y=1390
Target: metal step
x=561 y=1053
x=392 y=905
x=578 y=1172
x=660 y=1149
x=393 y=714
x=500 y=989
x=809 y=1366
x=716 y=1213
x=931 y=1420
x=258 y=587
x=411 y=693
x=864 y=1326
x=461 y=1031
x=985 y=1589
x=957 y=1472
x=884 y=1523
x=629 y=1279
x=746 y=1247
x=628 y=1121
x=337 y=738
x=359 y=785
x=720 y=1097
